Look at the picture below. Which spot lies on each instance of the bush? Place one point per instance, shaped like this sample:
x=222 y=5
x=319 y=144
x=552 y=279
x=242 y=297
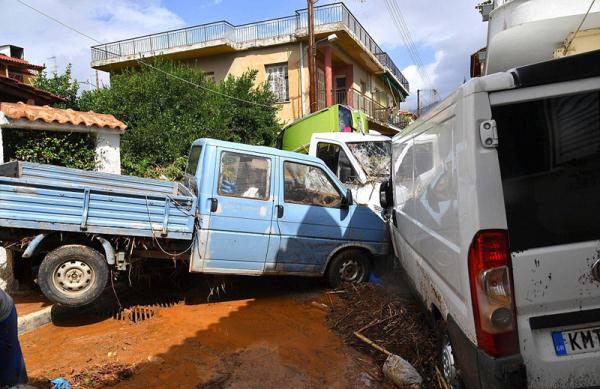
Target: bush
x=165 y=115
x=74 y=150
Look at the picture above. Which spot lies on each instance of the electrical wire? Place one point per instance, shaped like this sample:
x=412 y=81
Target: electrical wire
x=579 y=28
x=138 y=60
x=404 y=30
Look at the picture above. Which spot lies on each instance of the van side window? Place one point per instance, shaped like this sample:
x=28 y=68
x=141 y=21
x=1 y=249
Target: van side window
x=309 y=185
x=244 y=175
x=193 y=159
x=336 y=159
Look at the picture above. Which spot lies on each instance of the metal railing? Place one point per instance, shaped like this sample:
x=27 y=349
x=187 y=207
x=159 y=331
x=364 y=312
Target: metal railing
x=244 y=34
x=372 y=108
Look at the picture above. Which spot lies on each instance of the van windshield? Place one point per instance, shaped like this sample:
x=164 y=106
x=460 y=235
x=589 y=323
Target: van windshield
x=374 y=157
x=549 y=153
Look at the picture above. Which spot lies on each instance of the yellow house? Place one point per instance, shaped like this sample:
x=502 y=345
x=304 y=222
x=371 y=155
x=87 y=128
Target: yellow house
x=352 y=68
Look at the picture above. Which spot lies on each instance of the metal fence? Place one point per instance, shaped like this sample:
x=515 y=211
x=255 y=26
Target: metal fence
x=243 y=34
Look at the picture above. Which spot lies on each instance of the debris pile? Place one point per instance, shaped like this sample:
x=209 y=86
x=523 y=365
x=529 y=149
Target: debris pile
x=92 y=377
x=393 y=322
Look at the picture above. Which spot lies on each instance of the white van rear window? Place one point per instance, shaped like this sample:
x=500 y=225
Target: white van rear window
x=549 y=154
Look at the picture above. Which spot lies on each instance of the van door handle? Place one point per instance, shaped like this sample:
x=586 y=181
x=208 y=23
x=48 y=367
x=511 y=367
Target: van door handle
x=279 y=211
x=214 y=204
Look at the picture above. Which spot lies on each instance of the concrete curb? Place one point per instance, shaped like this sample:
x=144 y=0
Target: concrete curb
x=34 y=320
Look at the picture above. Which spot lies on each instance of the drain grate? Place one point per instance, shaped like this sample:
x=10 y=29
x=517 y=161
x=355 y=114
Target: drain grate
x=144 y=308
x=135 y=314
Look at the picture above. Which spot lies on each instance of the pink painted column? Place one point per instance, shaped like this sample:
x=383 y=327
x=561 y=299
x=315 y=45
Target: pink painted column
x=328 y=76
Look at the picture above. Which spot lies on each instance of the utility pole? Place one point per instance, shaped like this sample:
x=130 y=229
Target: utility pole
x=97 y=80
x=418 y=102
x=312 y=52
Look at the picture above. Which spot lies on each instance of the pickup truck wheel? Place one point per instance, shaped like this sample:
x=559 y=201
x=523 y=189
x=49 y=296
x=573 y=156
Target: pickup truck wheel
x=348 y=266
x=73 y=275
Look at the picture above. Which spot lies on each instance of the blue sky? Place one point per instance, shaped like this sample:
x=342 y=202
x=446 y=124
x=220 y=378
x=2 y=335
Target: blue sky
x=445 y=32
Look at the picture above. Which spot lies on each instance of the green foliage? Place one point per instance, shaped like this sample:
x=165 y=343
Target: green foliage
x=65 y=149
x=61 y=85
x=165 y=115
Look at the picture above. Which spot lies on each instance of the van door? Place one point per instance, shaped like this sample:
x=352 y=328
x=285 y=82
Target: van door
x=239 y=225
x=549 y=153
x=311 y=219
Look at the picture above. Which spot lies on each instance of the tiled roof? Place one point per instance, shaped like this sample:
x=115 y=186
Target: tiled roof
x=28 y=90
x=51 y=115
x=19 y=61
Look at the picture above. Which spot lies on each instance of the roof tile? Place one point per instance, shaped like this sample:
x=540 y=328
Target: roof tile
x=48 y=114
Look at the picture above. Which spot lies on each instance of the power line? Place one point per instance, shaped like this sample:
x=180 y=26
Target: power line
x=140 y=61
x=404 y=30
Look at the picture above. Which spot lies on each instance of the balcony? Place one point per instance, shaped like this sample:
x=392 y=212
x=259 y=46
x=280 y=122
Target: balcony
x=374 y=110
x=287 y=28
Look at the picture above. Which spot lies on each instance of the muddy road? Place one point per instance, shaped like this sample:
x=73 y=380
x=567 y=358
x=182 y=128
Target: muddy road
x=249 y=339
x=254 y=333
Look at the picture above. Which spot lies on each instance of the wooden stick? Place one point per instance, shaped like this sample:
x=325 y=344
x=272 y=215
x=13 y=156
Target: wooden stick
x=441 y=380
x=371 y=343
x=374 y=323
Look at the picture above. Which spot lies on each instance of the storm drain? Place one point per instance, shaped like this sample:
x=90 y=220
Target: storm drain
x=135 y=314
x=140 y=310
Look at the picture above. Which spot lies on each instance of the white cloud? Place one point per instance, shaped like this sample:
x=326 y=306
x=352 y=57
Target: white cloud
x=47 y=42
x=453 y=30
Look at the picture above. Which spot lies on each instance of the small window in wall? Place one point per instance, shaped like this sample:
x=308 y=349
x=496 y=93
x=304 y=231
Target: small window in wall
x=336 y=159
x=244 y=175
x=309 y=185
x=277 y=77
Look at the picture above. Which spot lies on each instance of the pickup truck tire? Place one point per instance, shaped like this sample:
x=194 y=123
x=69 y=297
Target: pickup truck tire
x=73 y=275
x=352 y=266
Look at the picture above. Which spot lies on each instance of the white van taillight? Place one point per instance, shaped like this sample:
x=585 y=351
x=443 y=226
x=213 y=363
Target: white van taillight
x=491 y=293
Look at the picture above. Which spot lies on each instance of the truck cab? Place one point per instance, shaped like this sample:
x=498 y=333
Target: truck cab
x=360 y=161
x=267 y=211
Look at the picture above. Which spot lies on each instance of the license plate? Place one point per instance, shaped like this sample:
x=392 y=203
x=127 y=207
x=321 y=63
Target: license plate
x=580 y=341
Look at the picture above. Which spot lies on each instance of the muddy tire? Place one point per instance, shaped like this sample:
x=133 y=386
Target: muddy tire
x=447 y=361
x=73 y=275
x=352 y=266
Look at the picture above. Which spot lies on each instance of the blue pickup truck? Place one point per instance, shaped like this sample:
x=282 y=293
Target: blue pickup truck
x=241 y=209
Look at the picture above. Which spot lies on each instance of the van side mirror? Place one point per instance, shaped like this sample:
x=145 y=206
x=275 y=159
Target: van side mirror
x=386 y=194
x=345 y=173
x=347 y=200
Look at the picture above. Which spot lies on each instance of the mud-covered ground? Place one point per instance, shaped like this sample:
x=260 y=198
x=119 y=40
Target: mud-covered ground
x=254 y=333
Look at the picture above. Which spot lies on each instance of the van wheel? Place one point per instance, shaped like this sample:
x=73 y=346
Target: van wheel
x=73 y=275
x=447 y=362
x=348 y=266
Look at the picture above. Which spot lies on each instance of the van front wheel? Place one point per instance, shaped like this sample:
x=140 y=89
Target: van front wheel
x=73 y=275
x=348 y=266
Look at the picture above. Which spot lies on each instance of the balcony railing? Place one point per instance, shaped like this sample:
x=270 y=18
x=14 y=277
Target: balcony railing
x=239 y=35
x=372 y=108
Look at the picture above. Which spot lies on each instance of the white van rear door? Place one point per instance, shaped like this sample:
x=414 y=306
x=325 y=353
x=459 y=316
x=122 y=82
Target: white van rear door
x=549 y=152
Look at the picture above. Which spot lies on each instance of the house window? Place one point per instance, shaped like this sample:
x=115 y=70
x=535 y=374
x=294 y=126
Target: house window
x=277 y=77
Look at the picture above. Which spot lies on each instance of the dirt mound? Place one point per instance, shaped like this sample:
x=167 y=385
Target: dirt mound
x=391 y=320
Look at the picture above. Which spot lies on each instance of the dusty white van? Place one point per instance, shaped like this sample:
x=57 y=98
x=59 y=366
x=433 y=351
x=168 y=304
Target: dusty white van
x=496 y=222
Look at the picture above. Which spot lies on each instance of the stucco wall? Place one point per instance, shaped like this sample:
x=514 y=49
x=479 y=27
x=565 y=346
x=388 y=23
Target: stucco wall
x=108 y=152
x=236 y=63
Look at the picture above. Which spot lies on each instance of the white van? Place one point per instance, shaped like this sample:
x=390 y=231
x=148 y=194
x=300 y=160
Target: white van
x=496 y=222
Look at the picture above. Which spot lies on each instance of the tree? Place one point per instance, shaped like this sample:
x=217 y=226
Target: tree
x=61 y=85
x=165 y=115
